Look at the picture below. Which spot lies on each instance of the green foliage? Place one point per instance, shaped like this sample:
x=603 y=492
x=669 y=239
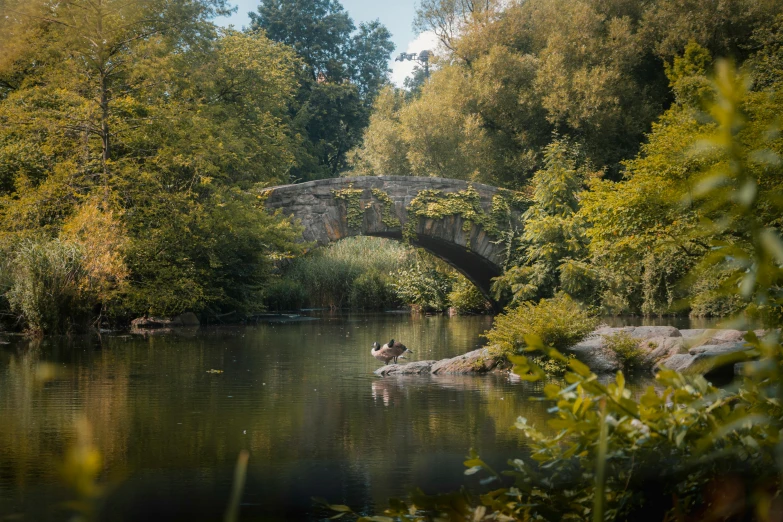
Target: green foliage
x=388 y=216
x=214 y=258
x=466 y=298
x=553 y=244
x=688 y=76
x=354 y=272
x=371 y=290
x=559 y=322
x=44 y=285
x=345 y=68
x=383 y=150
x=466 y=204
x=141 y=146
x=646 y=235
x=284 y=294
x=626 y=348
x=424 y=286
x=510 y=73
x=367 y=273
x=353 y=206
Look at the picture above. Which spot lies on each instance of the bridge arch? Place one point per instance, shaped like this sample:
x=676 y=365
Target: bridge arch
x=468 y=225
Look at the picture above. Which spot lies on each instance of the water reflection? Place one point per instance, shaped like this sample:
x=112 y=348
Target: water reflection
x=299 y=395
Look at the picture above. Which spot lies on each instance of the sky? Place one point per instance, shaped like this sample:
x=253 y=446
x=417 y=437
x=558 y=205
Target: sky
x=396 y=15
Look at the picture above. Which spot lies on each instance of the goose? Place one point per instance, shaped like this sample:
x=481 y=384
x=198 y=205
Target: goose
x=389 y=351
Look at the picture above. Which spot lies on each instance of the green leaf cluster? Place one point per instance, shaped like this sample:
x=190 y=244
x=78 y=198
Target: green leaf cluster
x=551 y=252
x=344 y=67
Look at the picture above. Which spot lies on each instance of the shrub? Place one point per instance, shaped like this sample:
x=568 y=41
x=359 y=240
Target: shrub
x=558 y=322
x=466 y=298
x=423 y=287
x=46 y=278
x=626 y=348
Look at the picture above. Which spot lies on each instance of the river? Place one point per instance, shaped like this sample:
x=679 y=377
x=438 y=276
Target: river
x=171 y=412
x=299 y=395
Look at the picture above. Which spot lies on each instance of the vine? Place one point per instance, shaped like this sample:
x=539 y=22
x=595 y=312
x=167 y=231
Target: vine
x=434 y=204
x=498 y=223
x=353 y=205
x=387 y=215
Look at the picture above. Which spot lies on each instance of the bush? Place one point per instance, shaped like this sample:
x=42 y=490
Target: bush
x=466 y=298
x=558 y=322
x=424 y=287
x=626 y=348
x=46 y=278
x=214 y=253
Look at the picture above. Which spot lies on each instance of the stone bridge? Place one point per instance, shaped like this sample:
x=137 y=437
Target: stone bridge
x=468 y=225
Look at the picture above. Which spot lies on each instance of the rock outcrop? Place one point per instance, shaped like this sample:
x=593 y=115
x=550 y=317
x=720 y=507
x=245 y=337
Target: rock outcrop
x=686 y=351
x=477 y=361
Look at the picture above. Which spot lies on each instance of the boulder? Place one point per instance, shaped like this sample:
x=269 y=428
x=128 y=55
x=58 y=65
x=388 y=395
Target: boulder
x=649 y=332
x=150 y=323
x=477 y=361
x=658 y=342
x=679 y=362
x=659 y=348
x=413 y=368
x=707 y=359
x=726 y=336
x=704 y=337
x=591 y=351
x=692 y=332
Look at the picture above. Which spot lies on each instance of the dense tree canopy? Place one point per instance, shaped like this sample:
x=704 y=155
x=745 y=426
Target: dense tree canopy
x=146 y=116
x=344 y=68
x=512 y=73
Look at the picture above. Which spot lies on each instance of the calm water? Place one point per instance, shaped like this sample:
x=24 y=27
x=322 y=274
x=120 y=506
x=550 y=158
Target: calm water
x=300 y=396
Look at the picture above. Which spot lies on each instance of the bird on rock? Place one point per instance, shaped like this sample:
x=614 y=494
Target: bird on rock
x=389 y=351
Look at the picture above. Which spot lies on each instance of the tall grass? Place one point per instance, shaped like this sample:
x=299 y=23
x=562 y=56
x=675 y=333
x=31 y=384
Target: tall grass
x=356 y=272
x=367 y=273
x=44 y=280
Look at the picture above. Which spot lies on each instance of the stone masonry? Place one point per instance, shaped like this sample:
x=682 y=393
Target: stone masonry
x=325 y=219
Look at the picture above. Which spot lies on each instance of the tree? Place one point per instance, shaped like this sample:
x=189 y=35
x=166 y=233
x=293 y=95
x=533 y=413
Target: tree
x=147 y=118
x=97 y=40
x=591 y=70
x=643 y=234
x=553 y=245
x=415 y=81
x=344 y=69
x=447 y=18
